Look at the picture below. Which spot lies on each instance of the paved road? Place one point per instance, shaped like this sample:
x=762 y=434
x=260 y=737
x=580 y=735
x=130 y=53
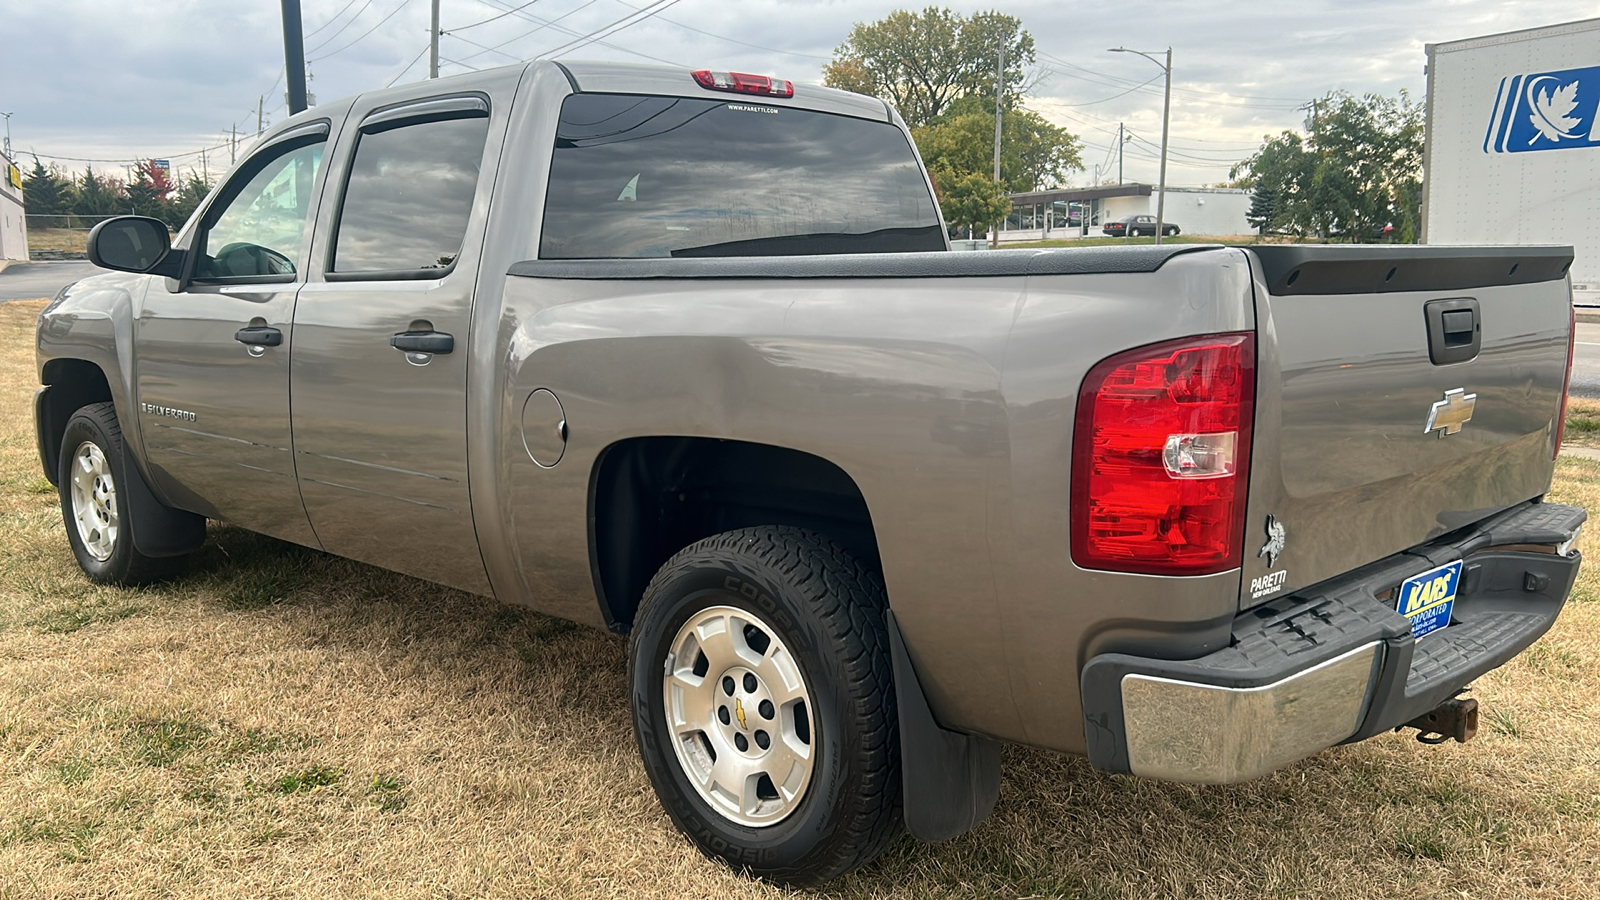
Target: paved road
x=30 y=281
x=1586 y=361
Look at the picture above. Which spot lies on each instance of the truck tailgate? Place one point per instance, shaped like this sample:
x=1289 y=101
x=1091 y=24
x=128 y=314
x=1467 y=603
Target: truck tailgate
x=1402 y=393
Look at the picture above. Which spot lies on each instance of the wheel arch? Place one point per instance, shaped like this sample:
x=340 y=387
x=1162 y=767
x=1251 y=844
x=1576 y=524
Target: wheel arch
x=69 y=385
x=650 y=497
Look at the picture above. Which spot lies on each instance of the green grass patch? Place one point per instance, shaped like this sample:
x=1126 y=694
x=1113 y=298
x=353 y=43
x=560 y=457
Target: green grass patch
x=314 y=778
x=387 y=792
x=78 y=614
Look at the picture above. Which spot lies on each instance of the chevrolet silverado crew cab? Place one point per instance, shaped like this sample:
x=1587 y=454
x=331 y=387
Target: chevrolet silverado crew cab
x=684 y=355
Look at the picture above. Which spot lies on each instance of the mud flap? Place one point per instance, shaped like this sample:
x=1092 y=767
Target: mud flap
x=158 y=530
x=951 y=780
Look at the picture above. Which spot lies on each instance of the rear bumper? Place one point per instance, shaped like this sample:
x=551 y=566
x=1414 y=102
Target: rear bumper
x=1334 y=662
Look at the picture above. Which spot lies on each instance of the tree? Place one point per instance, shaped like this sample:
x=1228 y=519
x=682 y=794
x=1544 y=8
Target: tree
x=99 y=195
x=923 y=62
x=46 y=192
x=1358 y=169
x=1263 y=207
x=972 y=200
x=186 y=199
x=1033 y=152
x=147 y=193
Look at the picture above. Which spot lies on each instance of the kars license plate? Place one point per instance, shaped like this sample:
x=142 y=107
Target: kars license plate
x=1427 y=599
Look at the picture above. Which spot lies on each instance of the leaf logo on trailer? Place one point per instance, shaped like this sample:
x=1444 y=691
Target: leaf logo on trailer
x=1546 y=111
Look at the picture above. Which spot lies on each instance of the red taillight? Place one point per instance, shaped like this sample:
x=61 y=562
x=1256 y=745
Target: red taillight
x=1566 y=383
x=1160 y=457
x=740 y=83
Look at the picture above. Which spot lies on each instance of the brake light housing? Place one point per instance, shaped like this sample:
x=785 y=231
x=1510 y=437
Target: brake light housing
x=742 y=83
x=1160 y=457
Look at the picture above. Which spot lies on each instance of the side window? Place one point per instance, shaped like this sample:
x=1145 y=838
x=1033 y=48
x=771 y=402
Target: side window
x=408 y=197
x=259 y=232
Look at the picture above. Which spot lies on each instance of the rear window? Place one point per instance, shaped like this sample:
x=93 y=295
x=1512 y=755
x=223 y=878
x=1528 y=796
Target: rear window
x=636 y=176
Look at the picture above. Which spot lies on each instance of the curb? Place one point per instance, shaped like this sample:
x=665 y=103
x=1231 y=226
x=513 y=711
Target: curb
x=1589 y=315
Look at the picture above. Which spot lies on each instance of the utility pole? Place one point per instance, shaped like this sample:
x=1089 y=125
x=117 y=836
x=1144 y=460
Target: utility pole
x=261 y=103
x=1166 y=118
x=233 y=145
x=999 y=94
x=8 y=132
x=204 y=171
x=433 y=45
x=1119 y=152
x=294 y=56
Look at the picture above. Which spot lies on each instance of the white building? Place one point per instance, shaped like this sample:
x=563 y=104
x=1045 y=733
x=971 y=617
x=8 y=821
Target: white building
x=1513 y=146
x=13 y=226
x=1218 y=212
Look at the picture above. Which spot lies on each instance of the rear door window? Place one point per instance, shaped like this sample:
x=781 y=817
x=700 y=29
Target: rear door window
x=637 y=176
x=408 y=196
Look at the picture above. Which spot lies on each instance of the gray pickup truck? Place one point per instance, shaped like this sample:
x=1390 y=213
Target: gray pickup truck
x=685 y=356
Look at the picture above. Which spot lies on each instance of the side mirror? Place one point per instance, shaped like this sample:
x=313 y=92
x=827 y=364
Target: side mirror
x=133 y=244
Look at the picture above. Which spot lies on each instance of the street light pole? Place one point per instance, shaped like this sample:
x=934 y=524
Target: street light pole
x=1166 y=118
x=999 y=94
x=433 y=45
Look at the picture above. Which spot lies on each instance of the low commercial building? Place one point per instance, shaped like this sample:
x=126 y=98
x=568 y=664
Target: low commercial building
x=13 y=225
x=1061 y=213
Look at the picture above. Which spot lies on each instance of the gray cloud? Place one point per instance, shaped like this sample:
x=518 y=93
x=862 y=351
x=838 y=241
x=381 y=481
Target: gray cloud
x=116 y=80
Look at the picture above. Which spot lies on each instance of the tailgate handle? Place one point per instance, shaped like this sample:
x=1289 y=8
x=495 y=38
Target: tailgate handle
x=1455 y=330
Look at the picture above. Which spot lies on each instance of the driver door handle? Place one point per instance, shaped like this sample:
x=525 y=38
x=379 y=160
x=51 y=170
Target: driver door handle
x=259 y=336
x=423 y=342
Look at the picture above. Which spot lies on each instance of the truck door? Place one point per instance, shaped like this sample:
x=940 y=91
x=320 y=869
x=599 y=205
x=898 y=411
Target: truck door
x=212 y=349
x=379 y=370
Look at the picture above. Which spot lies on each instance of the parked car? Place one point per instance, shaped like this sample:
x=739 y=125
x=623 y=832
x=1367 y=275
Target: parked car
x=1133 y=226
x=864 y=513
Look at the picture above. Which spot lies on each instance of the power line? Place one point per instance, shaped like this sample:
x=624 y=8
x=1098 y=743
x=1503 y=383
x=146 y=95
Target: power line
x=1182 y=90
x=332 y=37
x=551 y=23
x=723 y=37
x=403 y=5
x=332 y=19
x=492 y=18
x=420 y=54
x=541 y=25
x=659 y=6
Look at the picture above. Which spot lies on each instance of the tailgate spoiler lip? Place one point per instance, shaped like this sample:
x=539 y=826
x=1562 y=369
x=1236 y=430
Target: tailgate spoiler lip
x=1291 y=269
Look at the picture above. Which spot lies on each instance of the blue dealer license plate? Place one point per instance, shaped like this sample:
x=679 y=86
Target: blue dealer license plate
x=1427 y=599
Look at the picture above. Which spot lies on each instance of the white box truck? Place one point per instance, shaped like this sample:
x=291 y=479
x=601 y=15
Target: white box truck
x=1513 y=144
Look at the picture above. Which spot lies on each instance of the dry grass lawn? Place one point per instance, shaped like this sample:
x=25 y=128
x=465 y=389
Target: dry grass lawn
x=58 y=239
x=283 y=723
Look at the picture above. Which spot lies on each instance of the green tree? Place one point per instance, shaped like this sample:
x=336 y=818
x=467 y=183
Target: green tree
x=47 y=192
x=186 y=199
x=99 y=195
x=1357 y=169
x=1033 y=152
x=972 y=200
x=1263 y=206
x=923 y=62
x=147 y=192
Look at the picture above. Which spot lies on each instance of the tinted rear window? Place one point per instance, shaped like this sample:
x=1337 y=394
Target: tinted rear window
x=637 y=176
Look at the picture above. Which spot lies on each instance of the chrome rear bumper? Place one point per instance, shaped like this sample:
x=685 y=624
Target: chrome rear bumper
x=1333 y=663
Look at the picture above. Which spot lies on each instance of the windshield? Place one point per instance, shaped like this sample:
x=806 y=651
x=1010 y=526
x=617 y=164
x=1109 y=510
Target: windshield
x=636 y=176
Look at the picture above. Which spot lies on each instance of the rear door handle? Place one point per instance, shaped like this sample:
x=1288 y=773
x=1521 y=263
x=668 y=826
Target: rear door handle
x=423 y=342
x=259 y=336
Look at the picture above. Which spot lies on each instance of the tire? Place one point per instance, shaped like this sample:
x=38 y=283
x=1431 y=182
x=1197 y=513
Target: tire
x=814 y=617
x=96 y=514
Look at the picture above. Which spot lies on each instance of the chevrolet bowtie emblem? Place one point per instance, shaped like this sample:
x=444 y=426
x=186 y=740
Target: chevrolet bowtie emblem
x=1448 y=415
x=738 y=707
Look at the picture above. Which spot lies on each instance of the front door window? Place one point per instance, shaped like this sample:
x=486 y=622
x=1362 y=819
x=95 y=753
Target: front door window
x=260 y=233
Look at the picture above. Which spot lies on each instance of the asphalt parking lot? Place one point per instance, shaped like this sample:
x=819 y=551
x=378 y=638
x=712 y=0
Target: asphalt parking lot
x=30 y=281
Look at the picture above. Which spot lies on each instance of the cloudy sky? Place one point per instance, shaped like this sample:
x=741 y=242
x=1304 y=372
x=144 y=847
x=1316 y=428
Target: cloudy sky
x=111 y=80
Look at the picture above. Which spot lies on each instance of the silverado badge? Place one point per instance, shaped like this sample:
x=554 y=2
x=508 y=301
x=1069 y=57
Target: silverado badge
x=1448 y=415
x=1274 y=545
